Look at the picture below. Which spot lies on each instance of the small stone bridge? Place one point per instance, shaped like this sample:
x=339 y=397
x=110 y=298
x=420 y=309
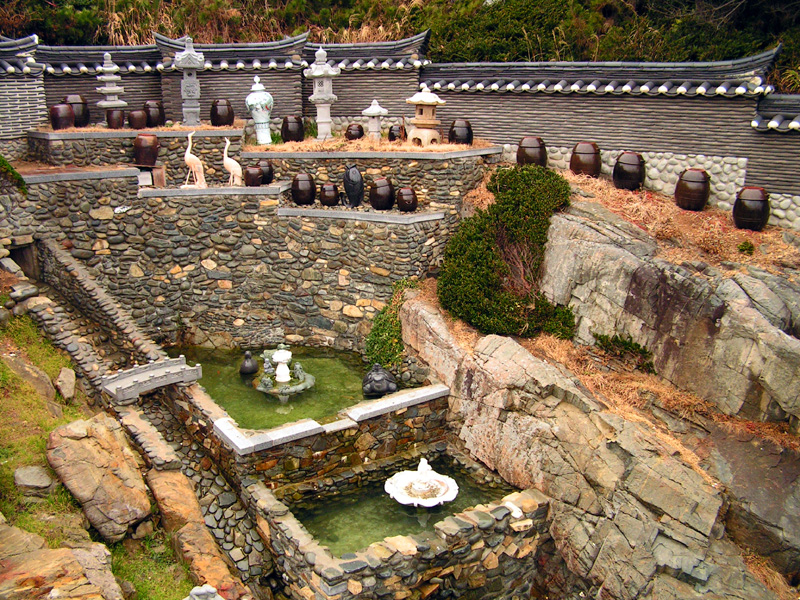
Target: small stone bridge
x=126 y=386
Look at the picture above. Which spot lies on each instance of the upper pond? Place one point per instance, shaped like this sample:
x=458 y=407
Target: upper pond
x=338 y=386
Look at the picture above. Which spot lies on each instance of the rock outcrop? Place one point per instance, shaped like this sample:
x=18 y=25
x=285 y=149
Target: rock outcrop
x=94 y=461
x=628 y=518
x=729 y=339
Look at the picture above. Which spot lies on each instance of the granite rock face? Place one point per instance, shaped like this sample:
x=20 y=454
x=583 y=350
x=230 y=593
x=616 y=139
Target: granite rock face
x=93 y=459
x=176 y=499
x=728 y=339
x=628 y=518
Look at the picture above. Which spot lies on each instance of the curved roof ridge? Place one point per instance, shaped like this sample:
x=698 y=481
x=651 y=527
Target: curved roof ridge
x=283 y=48
x=14 y=47
x=417 y=43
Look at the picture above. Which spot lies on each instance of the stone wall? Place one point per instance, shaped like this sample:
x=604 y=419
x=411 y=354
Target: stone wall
x=22 y=107
x=15 y=148
x=99 y=148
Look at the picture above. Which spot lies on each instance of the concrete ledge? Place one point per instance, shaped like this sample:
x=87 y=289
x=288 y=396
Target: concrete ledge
x=81 y=175
x=265 y=190
x=396 y=401
x=131 y=133
x=242 y=444
x=352 y=215
x=374 y=154
x=339 y=425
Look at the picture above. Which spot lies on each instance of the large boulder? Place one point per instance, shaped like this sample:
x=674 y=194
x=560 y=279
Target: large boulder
x=93 y=459
x=176 y=499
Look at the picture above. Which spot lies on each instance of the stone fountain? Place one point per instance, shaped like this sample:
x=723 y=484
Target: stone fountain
x=278 y=379
x=423 y=487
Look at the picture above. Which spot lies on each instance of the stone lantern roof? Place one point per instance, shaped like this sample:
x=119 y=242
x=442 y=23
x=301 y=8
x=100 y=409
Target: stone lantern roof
x=375 y=110
x=320 y=67
x=426 y=98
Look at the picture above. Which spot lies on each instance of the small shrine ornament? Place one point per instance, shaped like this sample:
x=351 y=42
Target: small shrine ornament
x=259 y=102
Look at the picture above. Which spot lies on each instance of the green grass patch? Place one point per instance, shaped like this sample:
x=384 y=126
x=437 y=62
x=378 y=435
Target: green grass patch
x=625 y=348
x=24 y=333
x=151 y=566
x=384 y=343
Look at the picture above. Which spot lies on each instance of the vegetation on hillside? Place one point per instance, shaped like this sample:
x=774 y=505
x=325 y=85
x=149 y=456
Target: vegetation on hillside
x=462 y=30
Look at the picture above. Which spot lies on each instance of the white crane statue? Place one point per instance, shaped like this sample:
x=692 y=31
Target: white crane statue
x=231 y=166
x=196 y=173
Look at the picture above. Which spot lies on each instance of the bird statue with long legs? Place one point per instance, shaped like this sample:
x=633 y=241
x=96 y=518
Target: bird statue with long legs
x=196 y=173
x=233 y=167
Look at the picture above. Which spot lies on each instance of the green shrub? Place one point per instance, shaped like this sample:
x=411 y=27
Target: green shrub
x=491 y=264
x=746 y=247
x=624 y=347
x=10 y=174
x=384 y=343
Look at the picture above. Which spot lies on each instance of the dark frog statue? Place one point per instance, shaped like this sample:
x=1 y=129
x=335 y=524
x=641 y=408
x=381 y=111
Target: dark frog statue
x=378 y=382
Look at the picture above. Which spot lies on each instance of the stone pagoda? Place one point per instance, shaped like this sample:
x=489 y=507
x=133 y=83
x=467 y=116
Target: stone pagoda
x=189 y=61
x=425 y=132
x=110 y=88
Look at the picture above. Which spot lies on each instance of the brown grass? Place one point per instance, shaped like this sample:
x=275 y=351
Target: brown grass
x=466 y=336
x=237 y=124
x=480 y=197
x=340 y=144
x=763 y=570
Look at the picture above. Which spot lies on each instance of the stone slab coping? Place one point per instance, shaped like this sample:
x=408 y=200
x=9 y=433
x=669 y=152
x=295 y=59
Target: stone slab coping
x=376 y=217
x=243 y=443
x=375 y=154
x=264 y=190
x=128 y=133
x=81 y=175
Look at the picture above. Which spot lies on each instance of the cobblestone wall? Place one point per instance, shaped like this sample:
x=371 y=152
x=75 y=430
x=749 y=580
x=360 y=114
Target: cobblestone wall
x=15 y=148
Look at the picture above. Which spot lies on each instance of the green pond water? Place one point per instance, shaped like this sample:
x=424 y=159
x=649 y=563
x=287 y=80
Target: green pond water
x=352 y=522
x=338 y=386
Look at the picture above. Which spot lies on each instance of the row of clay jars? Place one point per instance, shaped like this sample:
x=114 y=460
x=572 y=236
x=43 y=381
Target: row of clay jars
x=263 y=174
x=381 y=194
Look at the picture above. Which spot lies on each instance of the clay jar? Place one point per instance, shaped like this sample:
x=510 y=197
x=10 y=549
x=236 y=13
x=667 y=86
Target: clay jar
x=137 y=119
x=354 y=131
x=751 y=209
x=292 y=129
x=628 y=171
x=252 y=176
x=397 y=133
x=328 y=194
x=381 y=194
x=406 y=199
x=221 y=113
x=585 y=159
x=155 y=113
x=692 y=189
x=61 y=116
x=353 y=185
x=532 y=151
x=303 y=189
x=79 y=107
x=460 y=132
x=115 y=118
x=145 y=149
x=267 y=172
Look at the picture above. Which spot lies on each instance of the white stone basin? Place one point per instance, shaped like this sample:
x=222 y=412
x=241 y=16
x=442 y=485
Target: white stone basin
x=423 y=487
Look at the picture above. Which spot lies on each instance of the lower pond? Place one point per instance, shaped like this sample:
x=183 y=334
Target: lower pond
x=339 y=375
x=355 y=520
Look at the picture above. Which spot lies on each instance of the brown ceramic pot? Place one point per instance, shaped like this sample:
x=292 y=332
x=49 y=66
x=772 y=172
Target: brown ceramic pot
x=532 y=151
x=692 y=189
x=252 y=176
x=79 y=107
x=137 y=119
x=397 y=133
x=406 y=199
x=751 y=209
x=328 y=194
x=354 y=131
x=585 y=159
x=292 y=129
x=381 y=194
x=628 y=171
x=145 y=149
x=460 y=132
x=267 y=172
x=221 y=113
x=61 y=116
x=155 y=113
x=303 y=189
x=115 y=118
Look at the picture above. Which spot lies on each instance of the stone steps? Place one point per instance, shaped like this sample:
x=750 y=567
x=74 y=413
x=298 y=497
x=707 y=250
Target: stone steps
x=148 y=439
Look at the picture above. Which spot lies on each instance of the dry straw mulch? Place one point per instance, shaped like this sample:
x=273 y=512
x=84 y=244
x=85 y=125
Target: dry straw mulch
x=237 y=124
x=365 y=144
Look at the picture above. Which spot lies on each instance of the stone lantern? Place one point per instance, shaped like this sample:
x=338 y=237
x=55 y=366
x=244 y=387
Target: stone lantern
x=110 y=88
x=322 y=74
x=189 y=61
x=375 y=112
x=425 y=122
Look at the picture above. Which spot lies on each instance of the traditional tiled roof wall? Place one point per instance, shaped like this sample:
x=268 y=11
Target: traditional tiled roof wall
x=779 y=113
x=22 y=99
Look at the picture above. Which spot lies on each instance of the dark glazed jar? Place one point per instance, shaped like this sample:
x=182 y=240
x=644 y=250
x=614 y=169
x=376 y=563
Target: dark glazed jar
x=292 y=129
x=61 y=116
x=79 y=107
x=629 y=171
x=303 y=189
x=267 y=172
x=751 y=209
x=532 y=151
x=155 y=113
x=460 y=132
x=145 y=149
x=354 y=131
x=406 y=199
x=252 y=176
x=397 y=133
x=115 y=118
x=692 y=189
x=328 y=194
x=221 y=113
x=137 y=119
x=381 y=194
x=585 y=159
x=353 y=186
